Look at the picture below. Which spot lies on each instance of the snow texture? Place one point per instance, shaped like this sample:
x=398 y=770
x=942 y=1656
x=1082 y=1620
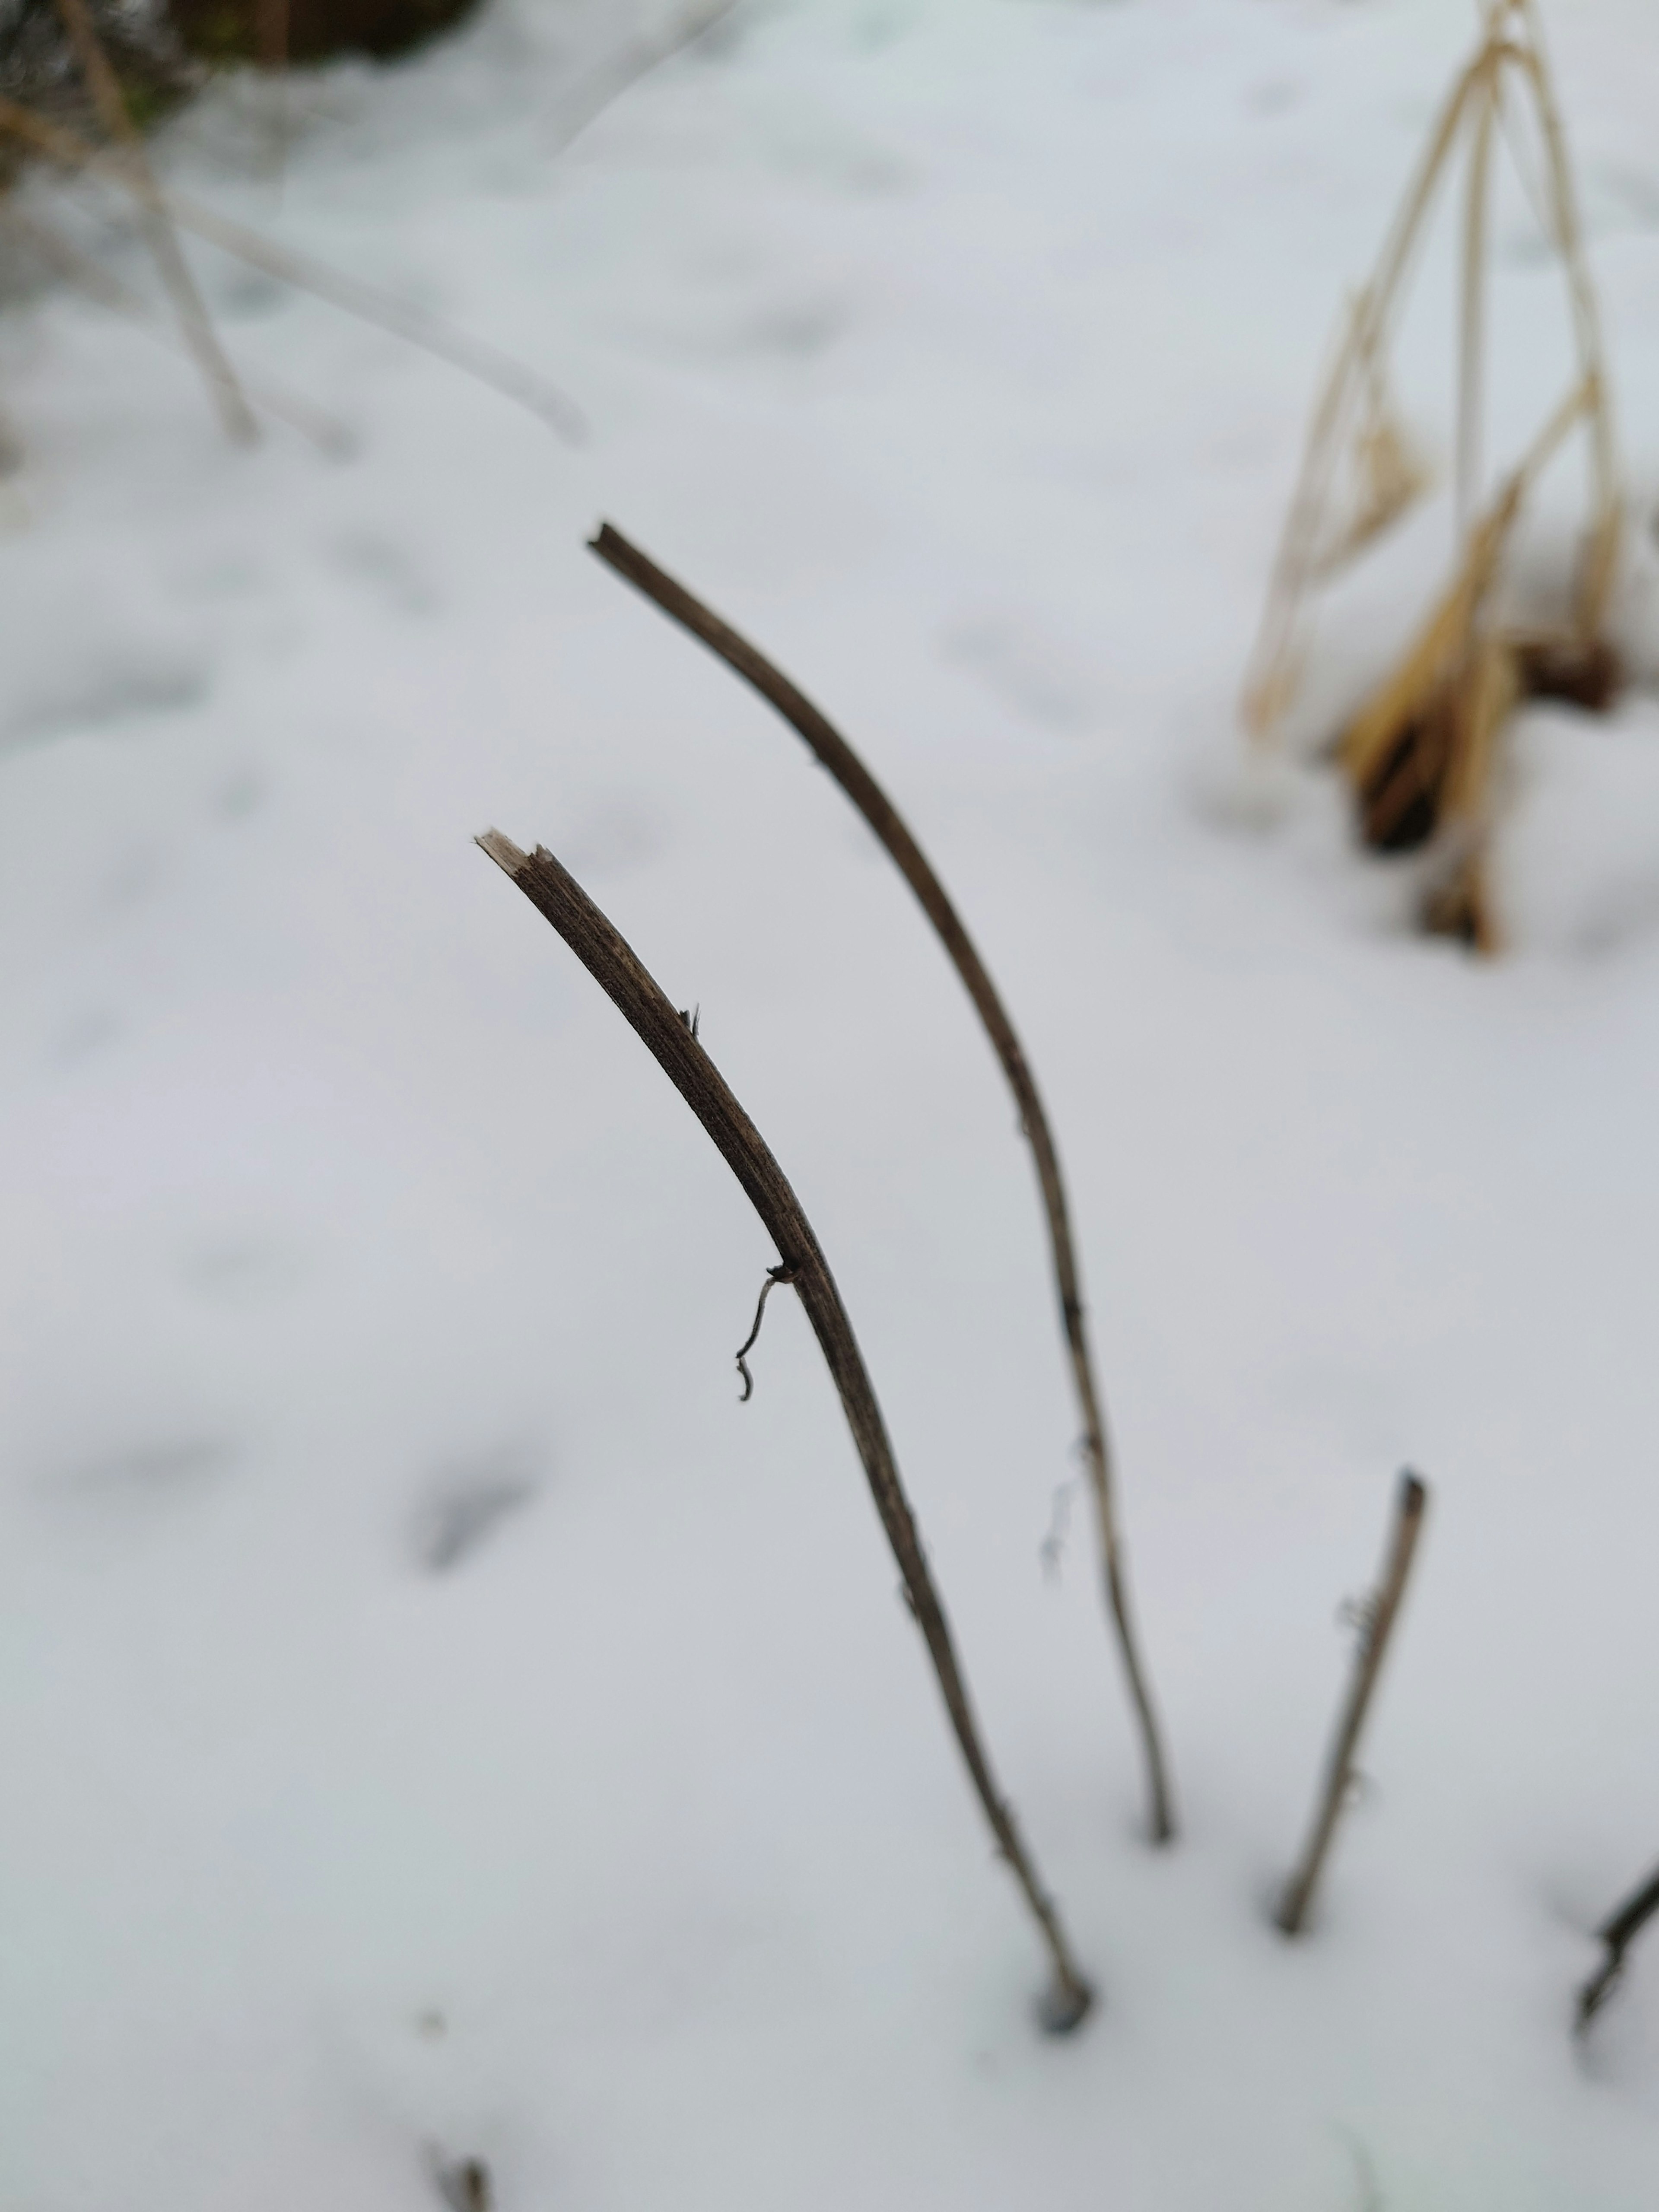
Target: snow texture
x=438 y=1724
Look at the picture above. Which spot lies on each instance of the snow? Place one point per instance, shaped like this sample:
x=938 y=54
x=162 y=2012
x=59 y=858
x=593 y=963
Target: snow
x=438 y=1723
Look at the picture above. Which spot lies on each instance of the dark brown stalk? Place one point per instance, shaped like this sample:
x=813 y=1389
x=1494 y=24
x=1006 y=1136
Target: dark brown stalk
x=613 y=964
x=833 y=752
x=1617 y=1934
x=1377 y=1625
x=384 y=309
x=110 y=104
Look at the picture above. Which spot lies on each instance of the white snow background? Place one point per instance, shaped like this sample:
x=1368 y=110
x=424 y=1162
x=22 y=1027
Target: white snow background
x=435 y=1719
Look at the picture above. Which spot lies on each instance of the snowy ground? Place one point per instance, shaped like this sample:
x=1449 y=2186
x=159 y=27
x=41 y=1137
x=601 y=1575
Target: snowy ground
x=435 y=1719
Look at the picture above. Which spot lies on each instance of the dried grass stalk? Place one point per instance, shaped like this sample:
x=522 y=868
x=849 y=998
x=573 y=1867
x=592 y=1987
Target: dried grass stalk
x=1420 y=752
x=1343 y=432
x=367 y=301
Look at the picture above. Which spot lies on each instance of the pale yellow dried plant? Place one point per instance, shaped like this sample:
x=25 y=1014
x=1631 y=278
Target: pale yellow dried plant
x=1354 y=438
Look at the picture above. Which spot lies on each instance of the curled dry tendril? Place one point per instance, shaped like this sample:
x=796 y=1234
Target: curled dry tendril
x=785 y=1272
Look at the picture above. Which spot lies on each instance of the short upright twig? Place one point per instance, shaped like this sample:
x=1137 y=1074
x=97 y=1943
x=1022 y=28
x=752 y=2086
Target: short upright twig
x=833 y=753
x=615 y=966
x=107 y=98
x=1618 y=1933
x=1376 y=1627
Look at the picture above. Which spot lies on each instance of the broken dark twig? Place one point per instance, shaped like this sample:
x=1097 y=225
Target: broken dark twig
x=833 y=753
x=614 y=965
x=1618 y=1933
x=1376 y=1626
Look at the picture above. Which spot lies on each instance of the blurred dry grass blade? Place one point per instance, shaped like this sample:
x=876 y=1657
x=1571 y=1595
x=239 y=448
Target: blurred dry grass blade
x=326 y=432
x=1376 y=1627
x=606 y=85
x=833 y=752
x=365 y=301
x=199 y=335
x=617 y=969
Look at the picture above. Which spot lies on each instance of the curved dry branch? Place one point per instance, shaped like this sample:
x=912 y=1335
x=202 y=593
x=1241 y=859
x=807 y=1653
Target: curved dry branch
x=833 y=752
x=615 y=966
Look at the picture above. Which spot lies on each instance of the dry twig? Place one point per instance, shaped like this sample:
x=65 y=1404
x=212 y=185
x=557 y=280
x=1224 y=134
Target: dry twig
x=833 y=753
x=1378 y=1626
x=614 y=965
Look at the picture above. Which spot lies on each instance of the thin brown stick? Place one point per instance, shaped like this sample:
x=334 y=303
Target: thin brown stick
x=833 y=753
x=199 y=335
x=1378 y=1626
x=368 y=302
x=614 y=965
x=1617 y=1932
